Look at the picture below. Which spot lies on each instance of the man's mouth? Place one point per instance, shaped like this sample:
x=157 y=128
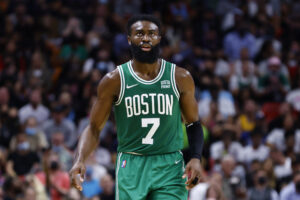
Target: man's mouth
x=146 y=47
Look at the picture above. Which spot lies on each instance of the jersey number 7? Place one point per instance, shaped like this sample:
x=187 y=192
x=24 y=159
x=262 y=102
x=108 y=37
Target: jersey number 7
x=145 y=122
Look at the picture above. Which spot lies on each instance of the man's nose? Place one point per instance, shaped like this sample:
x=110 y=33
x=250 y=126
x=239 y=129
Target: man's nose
x=146 y=37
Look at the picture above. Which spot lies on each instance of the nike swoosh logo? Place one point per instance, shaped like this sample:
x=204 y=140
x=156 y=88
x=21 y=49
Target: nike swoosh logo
x=131 y=86
x=177 y=161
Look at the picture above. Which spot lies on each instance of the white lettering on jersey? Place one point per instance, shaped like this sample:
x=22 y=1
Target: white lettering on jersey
x=140 y=104
x=169 y=105
x=152 y=95
x=161 y=104
x=145 y=109
x=128 y=105
x=136 y=105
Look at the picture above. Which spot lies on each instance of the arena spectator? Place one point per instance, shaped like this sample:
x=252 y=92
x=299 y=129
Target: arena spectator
x=125 y=8
x=65 y=156
x=215 y=92
x=244 y=82
x=58 y=122
x=277 y=136
x=90 y=187
x=282 y=167
x=107 y=184
x=293 y=96
x=274 y=85
x=65 y=99
x=227 y=146
x=232 y=185
x=38 y=74
x=261 y=189
x=58 y=179
x=21 y=161
x=34 y=108
x=256 y=150
x=210 y=189
x=292 y=190
x=248 y=118
x=36 y=137
x=12 y=188
x=239 y=38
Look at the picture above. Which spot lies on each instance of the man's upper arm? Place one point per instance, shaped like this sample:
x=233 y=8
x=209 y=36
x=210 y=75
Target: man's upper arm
x=186 y=87
x=107 y=92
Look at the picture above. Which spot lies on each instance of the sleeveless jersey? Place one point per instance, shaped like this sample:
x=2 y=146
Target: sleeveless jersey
x=148 y=113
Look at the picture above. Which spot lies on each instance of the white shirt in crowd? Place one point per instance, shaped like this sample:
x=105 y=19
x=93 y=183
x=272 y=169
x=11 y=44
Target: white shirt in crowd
x=293 y=97
x=283 y=170
x=261 y=153
x=41 y=113
x=217 y=151
x=276 y=138
x=289 y=192
x=199 y=191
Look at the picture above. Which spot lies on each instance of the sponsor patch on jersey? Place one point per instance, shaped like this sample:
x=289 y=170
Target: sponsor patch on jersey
x=165 y=84
x=124 y=163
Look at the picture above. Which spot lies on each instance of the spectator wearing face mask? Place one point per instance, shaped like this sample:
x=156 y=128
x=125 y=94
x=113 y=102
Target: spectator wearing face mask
x=56 y=179
x=36 y=137
x=22 y=160
x=292 y=190
x=261 y=189
x=59 y=180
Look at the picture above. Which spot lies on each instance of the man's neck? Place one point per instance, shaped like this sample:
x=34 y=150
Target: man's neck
x=150 y=69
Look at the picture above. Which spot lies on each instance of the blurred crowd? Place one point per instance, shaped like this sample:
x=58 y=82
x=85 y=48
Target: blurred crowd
x=244 y=56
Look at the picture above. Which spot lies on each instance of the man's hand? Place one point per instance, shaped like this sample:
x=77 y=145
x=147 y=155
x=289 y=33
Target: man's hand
x=77 y=169
x=193 y=172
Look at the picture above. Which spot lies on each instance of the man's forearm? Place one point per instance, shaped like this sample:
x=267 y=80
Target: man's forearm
x=88 y=142
x=196 y=139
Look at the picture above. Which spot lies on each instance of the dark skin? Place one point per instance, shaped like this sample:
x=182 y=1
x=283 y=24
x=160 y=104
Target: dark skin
x=144 y=34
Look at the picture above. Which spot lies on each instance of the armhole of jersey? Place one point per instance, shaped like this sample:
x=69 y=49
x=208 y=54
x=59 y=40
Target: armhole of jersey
x=173 y=81
x=122 y=88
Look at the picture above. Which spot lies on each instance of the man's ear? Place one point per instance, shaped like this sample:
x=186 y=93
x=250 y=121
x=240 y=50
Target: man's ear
x=159 y=38
x=128 y=39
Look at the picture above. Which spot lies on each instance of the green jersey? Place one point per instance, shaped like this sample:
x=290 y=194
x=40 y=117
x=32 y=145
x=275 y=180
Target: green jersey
x=148 y=113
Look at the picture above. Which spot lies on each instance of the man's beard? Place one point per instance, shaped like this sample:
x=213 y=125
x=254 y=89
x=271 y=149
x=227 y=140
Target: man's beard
x=145 y=56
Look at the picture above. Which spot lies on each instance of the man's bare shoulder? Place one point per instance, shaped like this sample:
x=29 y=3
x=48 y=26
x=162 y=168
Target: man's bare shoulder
x=182 y=73
x=183 y=79
x=110 y=83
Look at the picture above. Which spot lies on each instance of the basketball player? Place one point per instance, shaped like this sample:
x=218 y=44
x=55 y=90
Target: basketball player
x=149 y=96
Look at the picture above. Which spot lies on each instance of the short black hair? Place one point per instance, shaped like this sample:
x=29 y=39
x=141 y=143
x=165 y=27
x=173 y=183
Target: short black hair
x=143 y=17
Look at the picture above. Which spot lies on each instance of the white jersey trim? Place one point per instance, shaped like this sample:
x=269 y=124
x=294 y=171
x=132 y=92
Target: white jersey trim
x=157 y=78
x=122 y=89
x=117 y=173
x=173 y=81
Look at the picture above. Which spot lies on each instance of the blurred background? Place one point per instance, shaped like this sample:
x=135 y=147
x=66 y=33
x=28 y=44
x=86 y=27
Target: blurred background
x=244 y=56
